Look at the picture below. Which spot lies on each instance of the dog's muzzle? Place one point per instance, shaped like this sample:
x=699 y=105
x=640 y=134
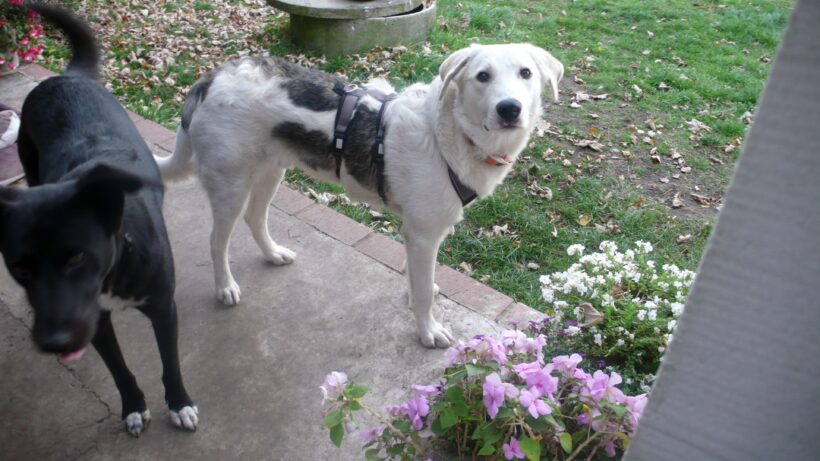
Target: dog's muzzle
x=509 y=110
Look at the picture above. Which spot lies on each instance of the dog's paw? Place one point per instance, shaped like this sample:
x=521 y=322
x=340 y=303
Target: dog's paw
x=279 y=255
x=435 y=335
x=136 y=422
x=229 y=295
x=435 y=289
x=186 y=418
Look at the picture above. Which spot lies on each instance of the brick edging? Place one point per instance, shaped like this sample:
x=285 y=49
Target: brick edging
x=453 y=284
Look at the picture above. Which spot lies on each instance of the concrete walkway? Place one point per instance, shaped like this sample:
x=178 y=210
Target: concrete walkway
x=253 y=370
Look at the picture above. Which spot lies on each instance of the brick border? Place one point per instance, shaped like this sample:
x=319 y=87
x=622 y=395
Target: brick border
x=452 y=284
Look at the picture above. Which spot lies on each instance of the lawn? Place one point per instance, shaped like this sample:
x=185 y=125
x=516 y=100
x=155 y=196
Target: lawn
x=662 y=94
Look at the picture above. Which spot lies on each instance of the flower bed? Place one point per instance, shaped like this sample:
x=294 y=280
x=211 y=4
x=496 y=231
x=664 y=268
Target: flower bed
x=497 y=399
x=20 y=36
x=618 y=308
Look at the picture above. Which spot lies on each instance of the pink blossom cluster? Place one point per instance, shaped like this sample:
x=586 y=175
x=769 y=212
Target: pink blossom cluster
x=20 y=35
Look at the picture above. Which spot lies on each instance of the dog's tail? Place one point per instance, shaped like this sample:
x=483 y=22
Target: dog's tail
x=86 y=57
x=180 y=165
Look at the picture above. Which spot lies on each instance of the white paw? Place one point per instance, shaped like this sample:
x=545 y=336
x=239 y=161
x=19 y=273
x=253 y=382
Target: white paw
x=435 y=289
x=186 y=418
x=280 y=255
x=434 y=334
x=229 y=295
x=137 y=422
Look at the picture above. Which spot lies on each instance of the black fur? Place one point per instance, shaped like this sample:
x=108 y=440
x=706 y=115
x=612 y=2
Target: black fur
x=196 y=95
x=311 y=95
x=90 y=222
x=358 y=147
x=313 y=146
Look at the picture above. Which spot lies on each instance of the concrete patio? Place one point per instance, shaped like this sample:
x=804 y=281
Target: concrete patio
x=254 y=369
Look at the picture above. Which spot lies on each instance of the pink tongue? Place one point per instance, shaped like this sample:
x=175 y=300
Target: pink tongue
x=71 y=356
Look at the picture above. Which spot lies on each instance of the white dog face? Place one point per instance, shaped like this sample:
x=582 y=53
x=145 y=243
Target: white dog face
x=499 y=86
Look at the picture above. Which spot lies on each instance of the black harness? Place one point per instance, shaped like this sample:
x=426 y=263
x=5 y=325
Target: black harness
x=351 y=95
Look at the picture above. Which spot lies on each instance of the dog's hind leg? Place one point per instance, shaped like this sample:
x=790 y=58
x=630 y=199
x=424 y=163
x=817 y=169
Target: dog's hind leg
x=228 y=197
x=134 y=412
x=29 y=159
x=184 y=414
x=256 y=216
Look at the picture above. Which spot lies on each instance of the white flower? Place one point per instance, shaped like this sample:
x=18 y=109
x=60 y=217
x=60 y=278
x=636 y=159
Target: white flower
x=641 y=314
x=608 y=247
x=608 y=300
x=650 y=305
x=652 y=315
x=597 y=339
x=572 y=330
x=651 y=264
x=677 y=309
x=575 y=249
x=545 y=280
x=548 y=294
x=620 y=342
x=645 y=247
x=663 y=286
x=560 y=304
x=669 y=338
x=661 y=349
x=671 y=325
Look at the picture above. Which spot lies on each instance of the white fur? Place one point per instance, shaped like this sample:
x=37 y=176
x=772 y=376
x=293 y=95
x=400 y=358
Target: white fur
x=186 y=418
x=451 y=121
x=109 y=302
x=137 y=422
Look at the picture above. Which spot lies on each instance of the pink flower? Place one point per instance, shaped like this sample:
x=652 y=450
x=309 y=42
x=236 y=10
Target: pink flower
x=531 y=401
x=490 y=349
x=415 y=409
x=494 y=393
x=609 y=447
x=16 y=2
x=522 y=344
x=567 y=363
x=370 y=435
x=334 y=383
x=24 y=41
x=602 y=386
x=512 y=450
x=635 y=405
x=537 y=377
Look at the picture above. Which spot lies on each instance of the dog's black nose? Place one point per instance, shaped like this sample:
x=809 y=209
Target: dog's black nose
x=56 y=341
x=509 y=110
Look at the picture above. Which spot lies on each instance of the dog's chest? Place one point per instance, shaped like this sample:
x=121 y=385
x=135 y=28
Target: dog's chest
x=109 y=302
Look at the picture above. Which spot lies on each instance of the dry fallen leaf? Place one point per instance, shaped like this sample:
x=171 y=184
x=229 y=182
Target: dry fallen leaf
x=590 y=316
x=533 y=266
x=701 y=199
x=466 y=268
x=677 y=202
x=591 y=143
x=584 y=219
x=684 y=238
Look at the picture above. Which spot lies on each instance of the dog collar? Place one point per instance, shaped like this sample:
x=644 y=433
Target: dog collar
x=465 y=193
x=493 y=160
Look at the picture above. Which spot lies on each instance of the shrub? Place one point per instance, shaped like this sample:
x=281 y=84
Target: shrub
x=617 y=308
x=498 y=399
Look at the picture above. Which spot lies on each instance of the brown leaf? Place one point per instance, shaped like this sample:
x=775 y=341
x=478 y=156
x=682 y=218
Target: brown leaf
x=533 y=266
x=584 y=219
x=591 y=143
x=639 y=201
x=701 y=199
x=677 y=202
x=684 y=238
x=590 y=316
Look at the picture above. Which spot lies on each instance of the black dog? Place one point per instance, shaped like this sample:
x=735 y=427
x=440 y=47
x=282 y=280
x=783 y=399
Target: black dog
x=88 y=235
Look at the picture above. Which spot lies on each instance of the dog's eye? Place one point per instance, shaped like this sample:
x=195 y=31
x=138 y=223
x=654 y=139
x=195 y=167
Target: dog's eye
x=525 y=73
x=483 y=77
x=76 y=260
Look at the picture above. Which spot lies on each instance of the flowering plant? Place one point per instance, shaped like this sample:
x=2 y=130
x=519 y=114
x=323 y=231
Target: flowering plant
x=20 y=35
x=498 y=399
x=617 y=307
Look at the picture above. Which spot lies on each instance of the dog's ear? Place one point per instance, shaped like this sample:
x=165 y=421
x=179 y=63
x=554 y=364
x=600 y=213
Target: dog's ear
x=551 y=69
x=453 y=65
x=103 y=189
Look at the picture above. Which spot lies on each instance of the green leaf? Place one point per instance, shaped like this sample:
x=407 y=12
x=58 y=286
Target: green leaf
x=436 y=427
x=395 y=449
x=487 y=449
x=624 y=439
x=334 y=418
x=372 y=455
x=354 y=405
x=455 y=394
x=461 y=409
x=337 y=433
x=448 y=419
x=619 y=410
x=355 y=392
x=403 y=426
x=473 y=370
x=531 y=448
x=566 y=442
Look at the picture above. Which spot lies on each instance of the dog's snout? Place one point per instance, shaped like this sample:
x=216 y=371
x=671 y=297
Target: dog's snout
x=509 y=109
x=56 y=341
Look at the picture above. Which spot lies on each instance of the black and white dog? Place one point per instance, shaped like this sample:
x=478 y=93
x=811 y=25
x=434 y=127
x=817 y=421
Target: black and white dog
x=88 y=236
x=246 y=122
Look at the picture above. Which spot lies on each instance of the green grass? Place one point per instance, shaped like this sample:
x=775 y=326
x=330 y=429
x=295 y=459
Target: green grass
x=707 y=53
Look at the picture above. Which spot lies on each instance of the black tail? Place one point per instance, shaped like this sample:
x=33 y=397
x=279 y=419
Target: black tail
x=86 y=57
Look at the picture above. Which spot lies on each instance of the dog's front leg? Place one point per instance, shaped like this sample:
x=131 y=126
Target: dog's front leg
x=184 y=414
x=134 y=412
x=421 y=263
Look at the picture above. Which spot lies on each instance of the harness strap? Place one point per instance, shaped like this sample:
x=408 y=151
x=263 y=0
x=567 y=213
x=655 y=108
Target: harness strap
x=465 y=193
x=378 y=148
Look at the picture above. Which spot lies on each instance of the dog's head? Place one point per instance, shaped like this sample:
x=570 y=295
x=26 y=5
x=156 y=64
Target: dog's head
x=499 y=86
x=59 y=243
